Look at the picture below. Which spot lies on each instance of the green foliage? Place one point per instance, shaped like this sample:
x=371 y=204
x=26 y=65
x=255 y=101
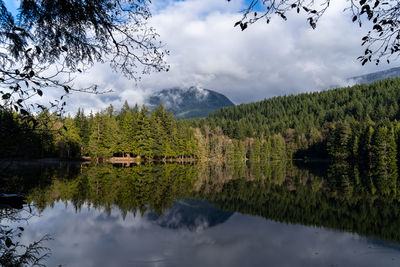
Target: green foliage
x=26 y=137
x=355 y=124
x=69 y=144
x=305 y=120
x=128 y=133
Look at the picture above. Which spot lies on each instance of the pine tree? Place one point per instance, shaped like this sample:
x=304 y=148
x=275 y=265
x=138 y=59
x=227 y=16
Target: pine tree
x=278 y=147
x=143 y=136
x=82 y=123
x=70 y=142
x=127 y=123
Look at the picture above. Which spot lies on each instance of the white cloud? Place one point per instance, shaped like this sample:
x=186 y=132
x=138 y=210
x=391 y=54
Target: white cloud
x=89 y=237
x=263 y=61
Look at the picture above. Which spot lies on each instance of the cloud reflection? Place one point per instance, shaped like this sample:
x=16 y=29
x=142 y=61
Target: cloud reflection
x=91 y=238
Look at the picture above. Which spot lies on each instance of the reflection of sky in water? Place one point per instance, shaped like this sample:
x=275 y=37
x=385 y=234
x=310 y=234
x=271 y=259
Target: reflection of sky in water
x=91 y=238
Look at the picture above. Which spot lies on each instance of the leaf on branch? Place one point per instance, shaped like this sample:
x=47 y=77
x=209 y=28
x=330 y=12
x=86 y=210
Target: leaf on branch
x=364 y=61
x=377 y=27
x=312 y=23
x=40 y=93
x=6 y=96
x=24 y=112
x=237 y=23
x=370 y=14
x=354 y=18
x=8 y=242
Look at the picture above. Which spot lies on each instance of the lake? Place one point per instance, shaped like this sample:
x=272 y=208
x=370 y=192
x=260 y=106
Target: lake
x=275 y=214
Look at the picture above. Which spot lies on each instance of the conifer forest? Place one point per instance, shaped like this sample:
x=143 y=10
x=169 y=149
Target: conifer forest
x=358 y=124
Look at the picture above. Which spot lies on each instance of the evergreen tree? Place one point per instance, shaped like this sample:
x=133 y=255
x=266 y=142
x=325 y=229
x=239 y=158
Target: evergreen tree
x=70 y=142
x=143 y=137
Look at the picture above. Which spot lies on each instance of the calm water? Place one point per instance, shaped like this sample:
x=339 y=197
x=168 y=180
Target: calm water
x=185 y=215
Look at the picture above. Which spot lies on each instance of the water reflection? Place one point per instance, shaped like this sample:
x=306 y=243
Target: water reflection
x=198 y=215
x=14 y=250
x=192 y=214
x=91 y=238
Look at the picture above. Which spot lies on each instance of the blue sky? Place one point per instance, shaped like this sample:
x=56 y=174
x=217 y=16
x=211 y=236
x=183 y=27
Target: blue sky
x=11 y=5
x=265 y=60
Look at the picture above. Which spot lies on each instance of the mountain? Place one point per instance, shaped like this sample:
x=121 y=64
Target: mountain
x=375 y=76
x=192 y=214
x=311 y=111
x=193 y=102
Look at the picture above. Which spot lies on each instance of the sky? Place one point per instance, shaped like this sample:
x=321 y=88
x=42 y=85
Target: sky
x=266 y=60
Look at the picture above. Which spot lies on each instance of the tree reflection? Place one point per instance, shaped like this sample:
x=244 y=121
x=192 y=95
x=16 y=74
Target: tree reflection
x=135 y=189
x=341 y=196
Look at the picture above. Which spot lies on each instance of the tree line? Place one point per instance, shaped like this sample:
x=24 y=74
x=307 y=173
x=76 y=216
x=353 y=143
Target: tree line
x=358 y=124
x=328 y=124
x=130 y=132
x=135 y=132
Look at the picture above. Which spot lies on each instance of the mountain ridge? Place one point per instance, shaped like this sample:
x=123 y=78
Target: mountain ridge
x=192 y=102
x=375 y=76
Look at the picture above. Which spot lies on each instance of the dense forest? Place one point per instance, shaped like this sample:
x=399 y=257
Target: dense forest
x=357 y=124
x=308 y=112
x=129 y=132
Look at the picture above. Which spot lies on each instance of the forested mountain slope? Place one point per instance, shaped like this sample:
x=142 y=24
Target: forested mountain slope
x=307 y=111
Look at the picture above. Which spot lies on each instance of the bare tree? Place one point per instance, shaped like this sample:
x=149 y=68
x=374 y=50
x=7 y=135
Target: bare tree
x=49 y=41
x=381 y=42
